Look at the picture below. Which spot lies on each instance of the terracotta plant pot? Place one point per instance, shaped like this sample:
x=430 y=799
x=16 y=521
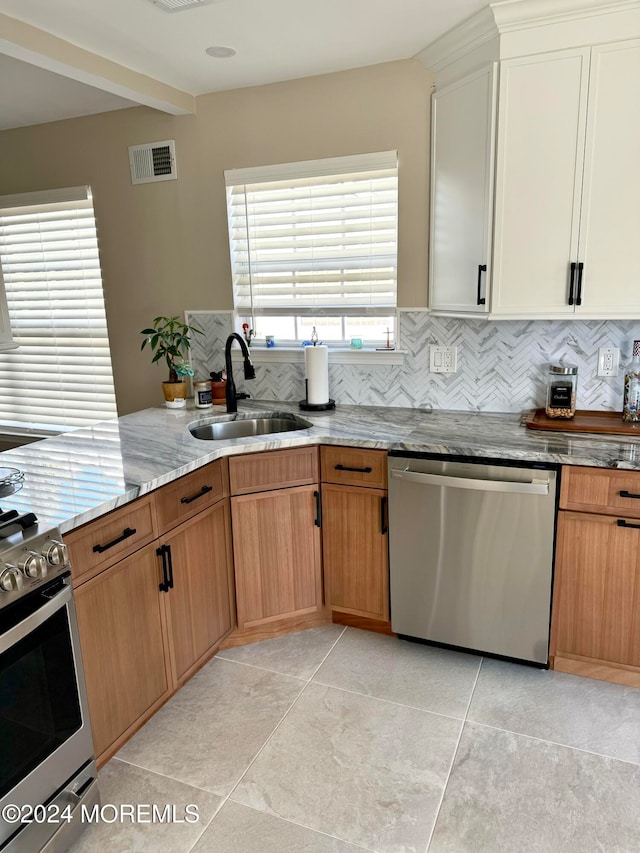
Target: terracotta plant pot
x=175 y=394
x=219 y=390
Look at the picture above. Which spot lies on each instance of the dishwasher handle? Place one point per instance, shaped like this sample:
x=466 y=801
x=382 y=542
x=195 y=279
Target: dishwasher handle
x=535 y=487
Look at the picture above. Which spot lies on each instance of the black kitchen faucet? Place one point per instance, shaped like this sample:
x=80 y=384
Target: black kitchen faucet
x=249 y=372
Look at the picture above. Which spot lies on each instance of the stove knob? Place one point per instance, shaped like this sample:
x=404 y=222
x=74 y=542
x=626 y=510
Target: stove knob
x=33 y=565
x=55 y=553
x=10 y=579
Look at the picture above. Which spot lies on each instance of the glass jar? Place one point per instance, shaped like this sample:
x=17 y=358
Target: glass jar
x=202 y=395
x=562 y=383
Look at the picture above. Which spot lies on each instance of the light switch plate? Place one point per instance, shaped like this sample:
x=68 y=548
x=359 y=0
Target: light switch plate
x=608 y=361
x=443 y=359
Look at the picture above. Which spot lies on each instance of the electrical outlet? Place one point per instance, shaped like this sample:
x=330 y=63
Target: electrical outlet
x=608 y=360
x=443 y=359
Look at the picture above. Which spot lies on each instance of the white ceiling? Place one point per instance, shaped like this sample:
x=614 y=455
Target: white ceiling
x=275 y=39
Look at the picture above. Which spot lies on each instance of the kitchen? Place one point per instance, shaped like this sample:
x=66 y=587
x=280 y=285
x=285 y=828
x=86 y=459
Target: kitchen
x=170 y=240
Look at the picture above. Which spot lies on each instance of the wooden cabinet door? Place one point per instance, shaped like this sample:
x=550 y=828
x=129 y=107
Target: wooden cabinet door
x=277 y=554
x=610 y=220
x=596 y=610
x=123 y=645
x=539 y=163
x=462 y=154
x=199 y=610
x=356 y=550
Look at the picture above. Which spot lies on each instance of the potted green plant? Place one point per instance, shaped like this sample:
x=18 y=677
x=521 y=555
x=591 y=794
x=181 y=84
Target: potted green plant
x=170 y=339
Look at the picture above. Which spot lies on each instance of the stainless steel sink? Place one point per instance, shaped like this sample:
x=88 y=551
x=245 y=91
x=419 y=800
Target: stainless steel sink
x=217 y=429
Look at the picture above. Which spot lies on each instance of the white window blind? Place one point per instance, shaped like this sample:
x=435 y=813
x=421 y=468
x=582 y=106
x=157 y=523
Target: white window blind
x=316 y=238
x=59 y=377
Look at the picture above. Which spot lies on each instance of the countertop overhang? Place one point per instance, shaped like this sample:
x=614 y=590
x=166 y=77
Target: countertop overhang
x=78 y=476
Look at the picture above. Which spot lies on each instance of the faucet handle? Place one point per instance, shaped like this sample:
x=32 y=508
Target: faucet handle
x=242 y=396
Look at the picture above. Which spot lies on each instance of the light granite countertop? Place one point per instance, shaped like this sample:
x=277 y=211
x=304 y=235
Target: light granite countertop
x=78 y=476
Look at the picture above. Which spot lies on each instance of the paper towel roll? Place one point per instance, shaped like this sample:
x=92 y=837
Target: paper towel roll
x=316 y=371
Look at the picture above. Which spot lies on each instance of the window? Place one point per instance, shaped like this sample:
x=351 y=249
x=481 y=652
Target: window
x=59 y=377
x=315 y=244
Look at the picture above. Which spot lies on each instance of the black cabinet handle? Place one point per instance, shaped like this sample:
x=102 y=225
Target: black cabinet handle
x=580 y=271
x=622 y=523
x=571 y=282
x=203 y=491
x=384 y=522
x=625 y=494
x=162 y=552
x=169 y=564
x=318 y=519
x=366 y=470
x=481 y=268
x=126 y=533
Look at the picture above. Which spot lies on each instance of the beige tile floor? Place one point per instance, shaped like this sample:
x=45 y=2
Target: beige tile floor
x=335 y=741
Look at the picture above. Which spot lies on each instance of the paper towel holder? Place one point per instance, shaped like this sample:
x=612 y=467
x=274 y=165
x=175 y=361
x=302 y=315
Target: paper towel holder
x=316 y=407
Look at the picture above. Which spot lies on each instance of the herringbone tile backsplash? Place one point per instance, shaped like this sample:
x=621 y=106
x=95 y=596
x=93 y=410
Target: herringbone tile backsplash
x=501 y=365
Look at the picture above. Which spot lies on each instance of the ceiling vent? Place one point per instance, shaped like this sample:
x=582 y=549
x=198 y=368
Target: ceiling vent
x=154 y=161
x=180 y=5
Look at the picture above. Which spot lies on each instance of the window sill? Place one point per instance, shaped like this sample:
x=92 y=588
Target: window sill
x=295 y=355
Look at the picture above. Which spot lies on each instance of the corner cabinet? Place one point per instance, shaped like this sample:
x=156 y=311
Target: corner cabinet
x=567 y=184
x=463 y=117
x=275 y=513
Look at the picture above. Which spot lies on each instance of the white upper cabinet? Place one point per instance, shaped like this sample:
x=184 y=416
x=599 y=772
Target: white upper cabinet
x=540 y=153
x=6 y=338
x=609 y=246
x=462 y=156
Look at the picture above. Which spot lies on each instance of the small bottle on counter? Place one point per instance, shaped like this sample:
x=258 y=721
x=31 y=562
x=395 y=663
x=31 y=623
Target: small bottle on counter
x=562 y=384
x=202 y=396
x=631 y=401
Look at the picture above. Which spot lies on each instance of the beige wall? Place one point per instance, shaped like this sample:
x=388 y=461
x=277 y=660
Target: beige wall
x=164 y=246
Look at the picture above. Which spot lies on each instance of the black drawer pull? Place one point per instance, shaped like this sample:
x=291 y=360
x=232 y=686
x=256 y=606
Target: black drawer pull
x=126 y=533
x=203 y=491
x=622 y=523
x=366 y=470
x=384 y=521
x=318 y=518
x=625 y=494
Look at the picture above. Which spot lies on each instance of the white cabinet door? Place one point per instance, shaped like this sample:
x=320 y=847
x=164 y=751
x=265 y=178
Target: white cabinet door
x=6 y=338
x=462 y=154
x=610 y=222
x=540 y=153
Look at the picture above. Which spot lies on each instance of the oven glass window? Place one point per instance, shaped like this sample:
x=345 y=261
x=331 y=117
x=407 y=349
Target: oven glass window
x=39 y=705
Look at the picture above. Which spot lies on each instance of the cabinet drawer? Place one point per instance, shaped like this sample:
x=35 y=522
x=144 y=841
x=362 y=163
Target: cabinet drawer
x=275 y=469
x=353 y=466
x=97 y=545
x=601 y=490
x=192 y=493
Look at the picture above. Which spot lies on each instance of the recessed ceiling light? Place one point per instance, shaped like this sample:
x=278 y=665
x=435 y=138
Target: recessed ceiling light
x=220 y=52
x=180 y=5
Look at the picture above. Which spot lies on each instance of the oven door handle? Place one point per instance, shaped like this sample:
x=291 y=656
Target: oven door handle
x=22 y=629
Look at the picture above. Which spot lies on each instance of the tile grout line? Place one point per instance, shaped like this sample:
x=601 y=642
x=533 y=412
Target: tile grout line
x=266 y=743
x=262 y=668
x=453 y=759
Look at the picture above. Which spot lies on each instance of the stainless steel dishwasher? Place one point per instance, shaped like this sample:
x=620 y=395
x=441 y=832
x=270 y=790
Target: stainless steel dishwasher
x=471 y=554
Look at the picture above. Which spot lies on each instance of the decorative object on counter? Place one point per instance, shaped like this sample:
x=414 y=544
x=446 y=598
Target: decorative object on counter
x=584 y=420
x=218 y=387
x=316 y=372
x=202 y=395
x=388 y=345
x=631 y=401
x=356 y=343
x=270 y=341
x=248 y=333
x=562 y=382
x=11 y=481
x=169 y=339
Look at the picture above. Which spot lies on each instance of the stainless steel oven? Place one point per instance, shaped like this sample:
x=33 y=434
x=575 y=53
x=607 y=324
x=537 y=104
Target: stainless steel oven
x=47 y=769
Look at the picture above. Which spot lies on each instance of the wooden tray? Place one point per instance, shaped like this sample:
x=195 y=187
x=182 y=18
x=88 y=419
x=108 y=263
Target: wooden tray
x=584 y=420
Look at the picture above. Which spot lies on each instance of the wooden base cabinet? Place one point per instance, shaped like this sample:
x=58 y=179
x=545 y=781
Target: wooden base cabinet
x=356 y=548
x=123 y=646
x=277 y=555
x=596 y=613
x=198 y=606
